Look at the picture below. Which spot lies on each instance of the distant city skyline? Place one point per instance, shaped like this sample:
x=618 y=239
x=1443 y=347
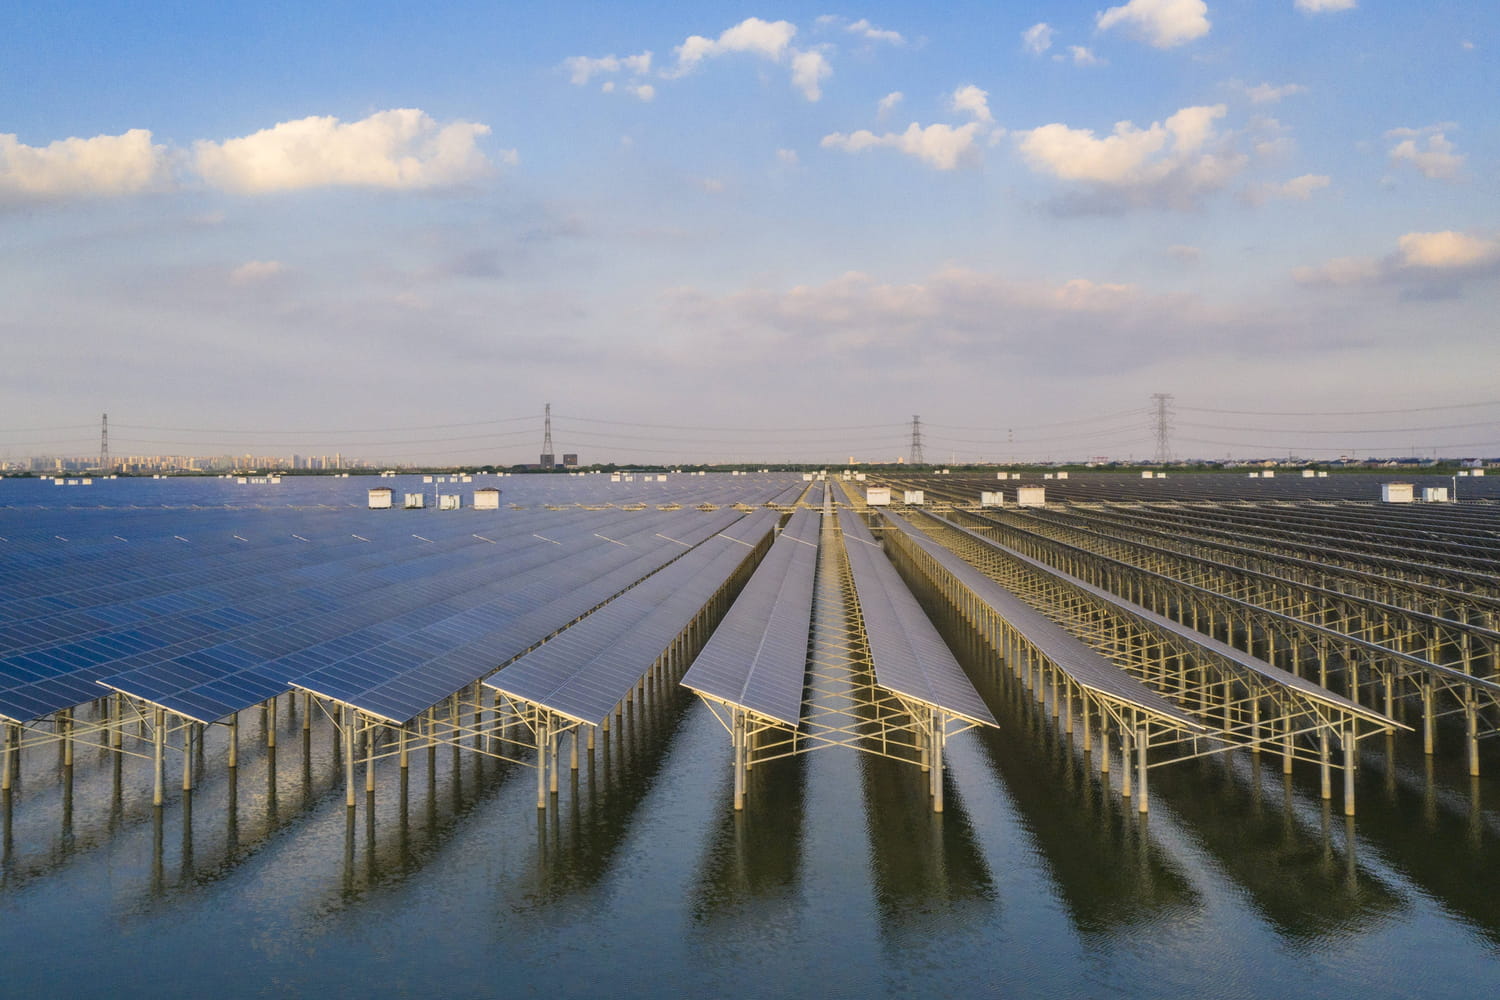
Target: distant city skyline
x=707 y=232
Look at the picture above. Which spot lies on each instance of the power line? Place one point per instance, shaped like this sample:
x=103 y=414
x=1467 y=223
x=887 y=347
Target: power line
x=1341 y=413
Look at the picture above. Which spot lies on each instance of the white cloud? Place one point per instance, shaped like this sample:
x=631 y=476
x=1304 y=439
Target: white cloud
x=809 y=69
x=103 y=165
x=1339 y=271
x=940 y=146
x=1297 y=189
x=868 y=31
x=1163 y=24
x=581 y=69
x=788 y=157
x=1437 y=161
x=402 y=148
x=767 y=39
x=1037 y=38
x=1446 y=249
x=1084 y=56
x=1429 y=262
x=971 y=100
x=888 y=103
x=255 y=271
x=1267 y=93
x=1169 y=164
x=957 y=314
x=1325 y=6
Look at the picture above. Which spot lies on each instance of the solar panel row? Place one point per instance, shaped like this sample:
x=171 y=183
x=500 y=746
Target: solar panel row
x=1085 y=666
x=401 y=680
x=757 y=657
x=910 y=658
x=585 y=672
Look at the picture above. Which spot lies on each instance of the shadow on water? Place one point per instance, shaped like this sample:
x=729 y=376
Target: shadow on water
x=1304 y=882
x=929 y=873
x=581 y=834
x=103 y=804
x=1425 y=817
x=754 y=854
x=1110 y=875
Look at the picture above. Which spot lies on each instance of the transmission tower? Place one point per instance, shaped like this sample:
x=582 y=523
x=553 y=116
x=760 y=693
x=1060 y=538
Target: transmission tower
x=916 y=457
x=1162 y=418
x=547 y=453
x=104 y=443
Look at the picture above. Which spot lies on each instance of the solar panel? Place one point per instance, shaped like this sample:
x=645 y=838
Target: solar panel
x=587 y=670
x=910 y=658
x=1084 y=665
x=757 y=657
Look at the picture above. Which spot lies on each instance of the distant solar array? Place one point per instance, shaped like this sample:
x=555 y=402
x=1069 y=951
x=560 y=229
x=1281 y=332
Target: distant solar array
x=169 y=591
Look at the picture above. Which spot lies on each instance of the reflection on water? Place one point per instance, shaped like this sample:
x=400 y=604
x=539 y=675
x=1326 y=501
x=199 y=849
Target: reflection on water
x=1304 y=881
x=755 y=853
x=1109 y=873
x=1038 y=879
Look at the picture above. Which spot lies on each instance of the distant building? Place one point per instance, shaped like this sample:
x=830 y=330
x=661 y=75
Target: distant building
x=546 y=460
x=570 y=460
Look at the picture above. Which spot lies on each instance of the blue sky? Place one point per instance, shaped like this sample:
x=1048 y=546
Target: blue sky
x=397 y=230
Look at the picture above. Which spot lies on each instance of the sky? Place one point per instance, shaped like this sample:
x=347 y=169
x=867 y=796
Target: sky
x=750 y=232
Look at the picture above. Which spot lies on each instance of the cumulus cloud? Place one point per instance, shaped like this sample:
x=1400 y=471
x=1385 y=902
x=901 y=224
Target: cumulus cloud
x=869 y=32
x=101 y=166
x=888 y=103
x=1297 y=189
x=402 y=148
x=1084 y=56
x=958 y=314
x=1423 y=263
x=1446 y=249
x=1163 y=24
x=1268 y=93
x=1437 y=161
x=581 y=69
x=1169 y=164
x=1037 y=38
x=942 y=147
x=1325 y=6
x=969 y=99
x=255 y=271
x=809 y=70
x=771 y=40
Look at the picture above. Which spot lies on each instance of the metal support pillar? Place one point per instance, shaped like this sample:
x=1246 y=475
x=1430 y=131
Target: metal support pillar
x=1471 y=731
x=1103 y=743
x=1325 y=778
x=11 y=738
x=405 y=750
x=67 y=733
x=1428 y=735
x=307 y=710
x=271 y=724
x=370 y=762
x=938 y=731
x=349 y=718
x=1125 y=761
x=234 y=740
x=187 y=756
x=737 y=737
x=159 y=741
x=573 y=762
x=552 y=753
x=1141 y=742
x=541 y=760
x=1350 y=752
